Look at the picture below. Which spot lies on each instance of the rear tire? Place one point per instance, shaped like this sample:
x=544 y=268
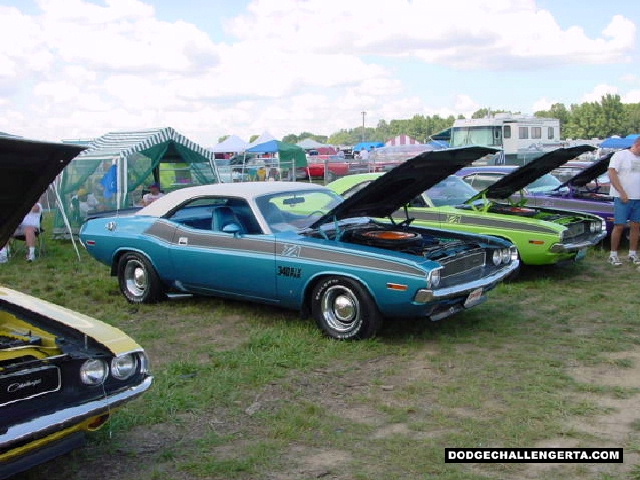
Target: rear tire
x=344 y=310
x=138 y=280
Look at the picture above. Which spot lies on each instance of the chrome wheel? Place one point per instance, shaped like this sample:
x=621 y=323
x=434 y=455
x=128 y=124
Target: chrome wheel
x=135 y=278
x=341 y=309
x=138 y=280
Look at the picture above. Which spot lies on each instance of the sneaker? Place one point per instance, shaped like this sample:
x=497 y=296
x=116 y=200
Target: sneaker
x=634 y=259
x=4 y=259
x=615 y=261
x=31 y=257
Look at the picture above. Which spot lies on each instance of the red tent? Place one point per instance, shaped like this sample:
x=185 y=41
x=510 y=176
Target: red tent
x=401 y=140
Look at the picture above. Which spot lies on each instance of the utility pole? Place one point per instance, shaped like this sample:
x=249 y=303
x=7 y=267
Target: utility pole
x=364 y=114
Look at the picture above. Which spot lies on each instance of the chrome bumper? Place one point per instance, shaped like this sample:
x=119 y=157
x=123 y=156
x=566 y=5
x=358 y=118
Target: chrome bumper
x=426 y=296
x=41 y=427
x=574 y=247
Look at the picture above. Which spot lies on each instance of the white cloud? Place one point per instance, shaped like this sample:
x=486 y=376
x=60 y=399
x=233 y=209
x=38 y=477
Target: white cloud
x=632 y=96
x=598 y=92
x=79 y=68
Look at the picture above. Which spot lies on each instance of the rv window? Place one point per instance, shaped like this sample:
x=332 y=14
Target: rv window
x=550 y=133
x=507 y=131
x=524 y=133
x=536 y=132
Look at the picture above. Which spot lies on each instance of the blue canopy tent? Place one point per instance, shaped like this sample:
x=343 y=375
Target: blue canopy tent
x=367 y=146
x=619 y=143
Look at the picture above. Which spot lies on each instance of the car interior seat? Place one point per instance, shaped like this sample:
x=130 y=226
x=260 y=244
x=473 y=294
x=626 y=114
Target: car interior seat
x=224 y=216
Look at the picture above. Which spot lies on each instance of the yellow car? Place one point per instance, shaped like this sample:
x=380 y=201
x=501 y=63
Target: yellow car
x=62 y=373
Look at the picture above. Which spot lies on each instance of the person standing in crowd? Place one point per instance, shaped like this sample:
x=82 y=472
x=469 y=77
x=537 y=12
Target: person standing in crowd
x=624 y=172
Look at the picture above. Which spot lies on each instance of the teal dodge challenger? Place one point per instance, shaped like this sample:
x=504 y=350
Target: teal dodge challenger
x=302 y=246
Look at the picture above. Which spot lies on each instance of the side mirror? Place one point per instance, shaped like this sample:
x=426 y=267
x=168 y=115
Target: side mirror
x=232 y=228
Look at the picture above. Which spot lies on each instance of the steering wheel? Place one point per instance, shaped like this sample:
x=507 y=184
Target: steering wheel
x=319 y=212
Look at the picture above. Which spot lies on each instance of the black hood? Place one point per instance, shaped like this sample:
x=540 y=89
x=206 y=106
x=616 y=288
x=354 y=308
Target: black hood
x=403 y=183
x=590 y=173
x=523 y=176
x=27 y=168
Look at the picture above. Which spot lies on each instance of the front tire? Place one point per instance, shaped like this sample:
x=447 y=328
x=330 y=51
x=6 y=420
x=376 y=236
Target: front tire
x=344 y=310
x=138 y=280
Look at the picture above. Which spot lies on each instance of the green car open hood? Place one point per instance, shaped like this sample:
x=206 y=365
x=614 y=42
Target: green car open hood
x=403 y=183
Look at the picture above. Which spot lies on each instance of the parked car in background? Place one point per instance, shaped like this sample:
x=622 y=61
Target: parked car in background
x=543 y=235
x=331 y=167
x=301 y=246
x=582 y=187
x=62 y=374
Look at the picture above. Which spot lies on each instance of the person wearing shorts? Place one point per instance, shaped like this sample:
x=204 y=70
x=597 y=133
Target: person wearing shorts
x=624 y=172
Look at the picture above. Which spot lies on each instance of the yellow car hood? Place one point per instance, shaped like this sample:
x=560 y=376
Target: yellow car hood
x=110 y=337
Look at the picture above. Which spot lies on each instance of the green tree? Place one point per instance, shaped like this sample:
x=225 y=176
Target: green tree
x=632 y=118
x=223 y=138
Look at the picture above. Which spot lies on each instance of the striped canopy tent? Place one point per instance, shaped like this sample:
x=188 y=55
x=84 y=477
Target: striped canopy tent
x=401 y=140
x=117 y=169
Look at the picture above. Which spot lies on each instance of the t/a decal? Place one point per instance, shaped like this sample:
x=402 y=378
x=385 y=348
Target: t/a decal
x=454 y=218
x=293 y=272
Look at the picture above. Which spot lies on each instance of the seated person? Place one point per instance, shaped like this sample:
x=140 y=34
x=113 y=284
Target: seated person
x=82 y=203
x=153 y=195
x=29 y=229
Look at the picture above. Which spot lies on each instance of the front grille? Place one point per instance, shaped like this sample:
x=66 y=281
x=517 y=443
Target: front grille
x=465 y=263
x=576 y=229
x=29 y=384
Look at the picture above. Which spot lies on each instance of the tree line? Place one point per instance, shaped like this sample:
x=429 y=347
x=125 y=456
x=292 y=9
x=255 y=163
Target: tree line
x=587 y=120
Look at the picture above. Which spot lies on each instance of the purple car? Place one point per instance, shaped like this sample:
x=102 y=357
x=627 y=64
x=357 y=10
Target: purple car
x=579 y=193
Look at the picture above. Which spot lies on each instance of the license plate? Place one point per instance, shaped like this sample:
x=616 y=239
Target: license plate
x=473 y=298
x=582 y=253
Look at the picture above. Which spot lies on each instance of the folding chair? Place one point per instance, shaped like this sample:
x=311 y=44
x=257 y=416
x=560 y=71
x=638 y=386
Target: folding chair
x=18 y=243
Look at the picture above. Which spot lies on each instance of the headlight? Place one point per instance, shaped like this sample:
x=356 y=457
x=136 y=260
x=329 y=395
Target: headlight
x=434 y=279
x=93 y=372
x=506 y=256
x=497 y=257
x=124 y=366
x=513 y=250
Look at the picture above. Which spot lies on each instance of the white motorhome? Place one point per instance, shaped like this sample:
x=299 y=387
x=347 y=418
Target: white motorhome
x=520 y=138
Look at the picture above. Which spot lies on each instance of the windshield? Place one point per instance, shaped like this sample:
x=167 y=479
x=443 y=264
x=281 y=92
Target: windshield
x=450 y=191
x=545 y=183
x=289 y=211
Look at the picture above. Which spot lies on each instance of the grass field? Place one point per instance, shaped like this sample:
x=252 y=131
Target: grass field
x=244 y=391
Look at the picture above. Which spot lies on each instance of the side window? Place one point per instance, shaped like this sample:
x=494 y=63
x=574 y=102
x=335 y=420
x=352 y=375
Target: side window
x=199 y=213
x=536 y=132
x=523 y=133
x=550 y=134
x=507 y=131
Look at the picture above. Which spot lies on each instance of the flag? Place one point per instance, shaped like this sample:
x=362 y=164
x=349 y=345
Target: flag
x=110 y=182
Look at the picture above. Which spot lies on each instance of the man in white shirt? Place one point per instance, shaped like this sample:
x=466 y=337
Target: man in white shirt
x=624 y=173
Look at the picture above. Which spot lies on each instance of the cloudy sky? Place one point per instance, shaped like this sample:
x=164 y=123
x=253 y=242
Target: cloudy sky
x=82 y=68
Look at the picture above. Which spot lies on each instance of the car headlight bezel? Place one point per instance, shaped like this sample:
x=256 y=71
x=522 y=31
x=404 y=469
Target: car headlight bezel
x=496 y=257
x=124 y=366
x=94 y=372
x=435 y=278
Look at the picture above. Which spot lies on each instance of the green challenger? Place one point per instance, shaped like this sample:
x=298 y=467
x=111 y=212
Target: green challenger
x=543 y=236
